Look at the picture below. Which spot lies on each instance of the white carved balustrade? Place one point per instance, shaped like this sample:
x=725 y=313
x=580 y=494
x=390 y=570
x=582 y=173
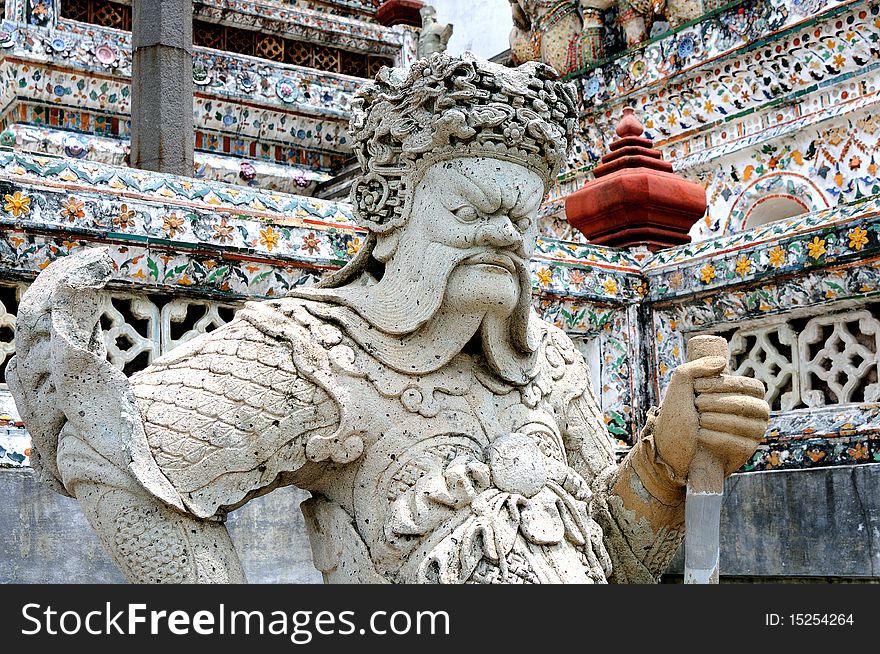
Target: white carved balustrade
x=131 y=330
x=189 y=318
x=9 y=298
x=765 y=353
x=844 y=367
x=812 y=361
x=137 y=328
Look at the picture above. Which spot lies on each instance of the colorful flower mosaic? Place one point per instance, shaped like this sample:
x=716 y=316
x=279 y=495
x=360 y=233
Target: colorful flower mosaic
x=773 y=117
x=713 y=38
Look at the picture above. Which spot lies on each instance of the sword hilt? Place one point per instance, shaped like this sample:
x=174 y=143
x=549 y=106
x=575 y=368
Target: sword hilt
x=705 y=489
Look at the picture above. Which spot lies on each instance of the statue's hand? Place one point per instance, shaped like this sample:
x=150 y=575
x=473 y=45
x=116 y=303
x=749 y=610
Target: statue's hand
x=726 y=414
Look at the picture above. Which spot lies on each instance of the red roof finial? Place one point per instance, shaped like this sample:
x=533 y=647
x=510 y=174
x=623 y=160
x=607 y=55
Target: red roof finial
x=635 y=198
x=629 y=125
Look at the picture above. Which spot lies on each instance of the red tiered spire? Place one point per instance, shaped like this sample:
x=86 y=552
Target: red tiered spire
x=635 y=198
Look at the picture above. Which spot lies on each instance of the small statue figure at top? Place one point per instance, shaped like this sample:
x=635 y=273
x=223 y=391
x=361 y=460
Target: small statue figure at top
x=434 y=37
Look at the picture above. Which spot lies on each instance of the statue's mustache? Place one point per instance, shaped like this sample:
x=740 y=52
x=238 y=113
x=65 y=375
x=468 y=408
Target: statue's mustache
x=412 y=289
x=507 y=260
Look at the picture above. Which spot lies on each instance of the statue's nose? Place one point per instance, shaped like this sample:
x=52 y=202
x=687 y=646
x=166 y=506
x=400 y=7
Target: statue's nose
x=499 y=232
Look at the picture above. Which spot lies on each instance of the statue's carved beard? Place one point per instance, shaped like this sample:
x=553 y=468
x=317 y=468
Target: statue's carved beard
x=415 y=332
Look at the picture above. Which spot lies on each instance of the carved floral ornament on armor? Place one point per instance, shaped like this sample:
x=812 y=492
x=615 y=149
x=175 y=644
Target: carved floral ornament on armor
x=446 y=433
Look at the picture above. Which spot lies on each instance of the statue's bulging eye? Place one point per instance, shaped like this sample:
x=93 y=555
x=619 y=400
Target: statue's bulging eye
x=523 y=224
x=466 y=214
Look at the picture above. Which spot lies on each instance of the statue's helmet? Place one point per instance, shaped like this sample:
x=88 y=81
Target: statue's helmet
x=447 y=107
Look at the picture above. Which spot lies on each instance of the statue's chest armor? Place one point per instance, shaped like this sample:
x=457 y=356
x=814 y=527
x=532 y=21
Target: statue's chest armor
x=413 y=426
x=400 y=414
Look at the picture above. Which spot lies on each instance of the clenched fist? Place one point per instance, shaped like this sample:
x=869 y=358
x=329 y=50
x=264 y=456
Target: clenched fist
x=723 y=414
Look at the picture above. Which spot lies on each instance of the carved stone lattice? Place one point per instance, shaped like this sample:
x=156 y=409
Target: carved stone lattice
x=350 y=63
x=137 y=328
x=374 y=65
x=766 y=353
x=208 y=35
x=111 y=14
x=98 y=12
x=811 y=361
x=839 y=361
x=76 y=10
x=183 y=320
x=240 y=41
x=9 y=298
x=298 y=53
x=131 y=331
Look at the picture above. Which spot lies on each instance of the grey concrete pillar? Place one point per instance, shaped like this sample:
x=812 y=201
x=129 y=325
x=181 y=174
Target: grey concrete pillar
x=162 y=86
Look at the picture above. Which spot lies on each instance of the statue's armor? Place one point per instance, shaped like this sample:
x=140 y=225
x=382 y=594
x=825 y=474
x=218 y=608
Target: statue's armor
x=409 y=471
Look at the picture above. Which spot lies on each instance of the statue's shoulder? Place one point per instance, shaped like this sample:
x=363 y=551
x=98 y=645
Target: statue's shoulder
x=226 y=413
x=267 y=332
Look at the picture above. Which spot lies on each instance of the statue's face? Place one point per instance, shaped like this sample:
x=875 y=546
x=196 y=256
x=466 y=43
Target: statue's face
x=482 y=212
x=458 y=268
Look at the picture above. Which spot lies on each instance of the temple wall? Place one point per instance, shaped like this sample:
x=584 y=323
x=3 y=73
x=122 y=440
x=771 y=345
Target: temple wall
x=815 y=525
x=38 y=526
x=770 y=104
x=267 y=117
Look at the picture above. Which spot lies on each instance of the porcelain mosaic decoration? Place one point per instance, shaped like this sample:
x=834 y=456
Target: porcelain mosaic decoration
x=734 y=101
x=66 y=91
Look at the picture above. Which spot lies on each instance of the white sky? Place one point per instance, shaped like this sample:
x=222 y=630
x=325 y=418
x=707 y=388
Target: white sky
x=481 y=26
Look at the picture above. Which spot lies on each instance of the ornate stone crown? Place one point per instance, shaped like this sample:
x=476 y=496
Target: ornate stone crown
x=446 y=107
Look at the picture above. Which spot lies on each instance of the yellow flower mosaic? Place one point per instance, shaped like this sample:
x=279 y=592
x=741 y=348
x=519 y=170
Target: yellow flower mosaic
x=776 y=256
x=858 y=238
x=17 y=204
x=707 y=273
x=816 y=247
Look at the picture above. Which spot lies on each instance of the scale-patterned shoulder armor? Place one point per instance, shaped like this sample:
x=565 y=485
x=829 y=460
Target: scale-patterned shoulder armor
x=231 y=414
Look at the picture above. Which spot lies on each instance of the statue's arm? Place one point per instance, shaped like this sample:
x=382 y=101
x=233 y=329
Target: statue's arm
x=639 y=503
x=227 y=415
x=241 y=410
x=520 y=19
x=446 y=34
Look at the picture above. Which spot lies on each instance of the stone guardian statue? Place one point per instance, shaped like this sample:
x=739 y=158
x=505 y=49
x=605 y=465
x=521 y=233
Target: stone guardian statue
x=445 y=432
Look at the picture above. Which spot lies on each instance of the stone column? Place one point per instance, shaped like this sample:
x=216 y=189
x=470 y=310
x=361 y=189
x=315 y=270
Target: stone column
x=162 y=86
